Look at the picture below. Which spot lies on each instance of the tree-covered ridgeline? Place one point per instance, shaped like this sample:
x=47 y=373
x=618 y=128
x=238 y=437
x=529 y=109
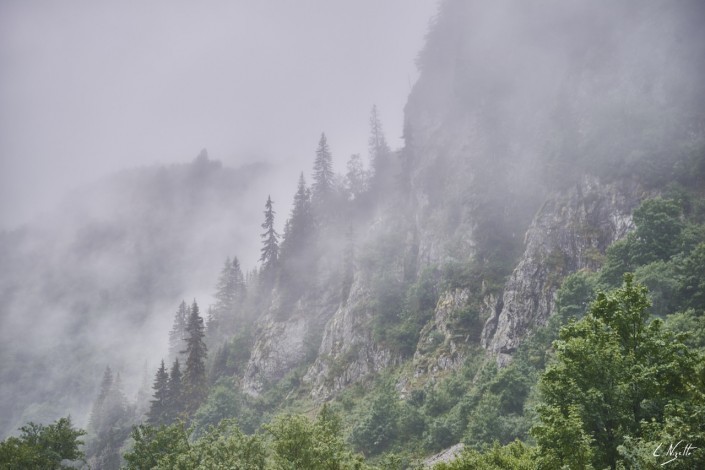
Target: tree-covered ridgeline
x=616 y=371
x=483 y=406
x=621 y=383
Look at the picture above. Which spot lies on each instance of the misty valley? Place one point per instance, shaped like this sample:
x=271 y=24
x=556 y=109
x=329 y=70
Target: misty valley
x=519 y=284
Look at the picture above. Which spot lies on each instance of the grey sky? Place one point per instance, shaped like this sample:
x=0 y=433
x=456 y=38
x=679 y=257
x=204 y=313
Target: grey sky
x=89 y=87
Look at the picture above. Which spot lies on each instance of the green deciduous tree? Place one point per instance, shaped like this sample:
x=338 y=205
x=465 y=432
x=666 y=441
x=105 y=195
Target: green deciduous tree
x=299 y=443
x=515 y=456
x=658 y=229
x=615 y=371
x=691 y=277
x=378 y=428
x=42 y=447
x=223 y=447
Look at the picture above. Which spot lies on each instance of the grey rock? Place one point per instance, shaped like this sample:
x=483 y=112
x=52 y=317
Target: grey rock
x=348 y=352
x=571 y=232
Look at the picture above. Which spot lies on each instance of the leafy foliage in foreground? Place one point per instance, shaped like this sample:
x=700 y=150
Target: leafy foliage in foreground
x=40 y=446
x=619 y=383
x=168 y=447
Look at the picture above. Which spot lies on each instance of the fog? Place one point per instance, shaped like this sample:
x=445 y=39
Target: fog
x=111 y=213
x=107 y=221
x=88 y=89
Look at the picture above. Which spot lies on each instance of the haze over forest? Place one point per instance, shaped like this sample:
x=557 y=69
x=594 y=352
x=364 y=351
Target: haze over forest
x=104 y=109
x=90 y=89
x=388 y=229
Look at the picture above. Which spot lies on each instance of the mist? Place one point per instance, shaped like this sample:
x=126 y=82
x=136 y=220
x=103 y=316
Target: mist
x=103 y=111
x=436 y=171
x=90 y=89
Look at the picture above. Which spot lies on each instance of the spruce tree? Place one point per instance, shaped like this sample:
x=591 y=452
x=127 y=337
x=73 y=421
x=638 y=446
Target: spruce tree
x=158 y=410
x=111 y=421
x=115 y=404
x=195 y=385
x=322 y=174
x=299 y=227
x=348 y=264
x=298 y=258
x=177 y=335
x=96 y=419
x=356 y=178
x=230 y=293
x=380 y=154
x=270 y=241
x=175 y=393
x=220 y=364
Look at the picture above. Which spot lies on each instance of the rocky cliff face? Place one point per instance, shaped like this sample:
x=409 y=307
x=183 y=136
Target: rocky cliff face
x=347 y=352
x=285 y=339
x=280 y=347
x=501 y=129
x=570 y=232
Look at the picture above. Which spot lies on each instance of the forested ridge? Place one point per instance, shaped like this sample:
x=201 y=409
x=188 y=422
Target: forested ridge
x=524 y=277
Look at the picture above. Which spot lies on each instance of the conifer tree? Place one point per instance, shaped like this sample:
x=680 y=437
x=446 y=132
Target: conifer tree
x=380 y=154
x=158 y=410
x=299 y=227
x=348 y=264
x=177 y=335
x=95 y=421
x=230 y=293
x=212 y=323
x=194 y=381
x=270 y=240
x=298 y=258
x=220 y=364
x=355 y=178
x=225 y=290
x=175 y=393
x=322 y=174
x=111 y=421
x=115 y=404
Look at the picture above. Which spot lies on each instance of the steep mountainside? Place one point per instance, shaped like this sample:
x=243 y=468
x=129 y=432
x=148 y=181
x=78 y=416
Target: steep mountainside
x=420 y=296
x=569 y=118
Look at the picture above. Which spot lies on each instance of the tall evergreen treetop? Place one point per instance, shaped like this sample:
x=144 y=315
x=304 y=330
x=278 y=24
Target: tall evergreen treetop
x=158 y=410
x=175 y=393
x=196 y=352
x=106 y=385
x=226 y=287
x=322 y=172
x=356 y=177
x=177 y=335
x=230 y=292
x=270 y=240
x=300 y=225
x=379 y=149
